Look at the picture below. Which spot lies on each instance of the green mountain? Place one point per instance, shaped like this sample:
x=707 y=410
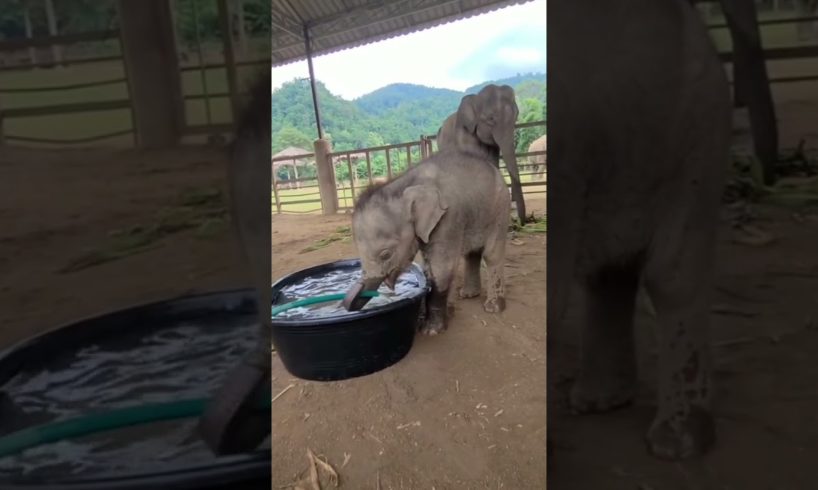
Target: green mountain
x=392 y=96
x=514 y=82
x=393 y=114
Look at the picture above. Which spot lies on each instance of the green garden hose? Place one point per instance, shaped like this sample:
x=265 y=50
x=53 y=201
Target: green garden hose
x=318 y=299
x=85 y=425
x=21 y=440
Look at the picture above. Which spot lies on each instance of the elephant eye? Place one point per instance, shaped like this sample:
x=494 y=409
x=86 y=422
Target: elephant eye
x=385 y=254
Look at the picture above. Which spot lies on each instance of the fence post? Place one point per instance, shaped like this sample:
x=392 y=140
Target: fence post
x=149 y=53
x=275 y=190
x=326 y=177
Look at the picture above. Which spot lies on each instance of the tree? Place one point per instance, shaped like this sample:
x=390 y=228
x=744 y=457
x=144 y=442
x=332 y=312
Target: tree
x=530 y=110
x=290 y=136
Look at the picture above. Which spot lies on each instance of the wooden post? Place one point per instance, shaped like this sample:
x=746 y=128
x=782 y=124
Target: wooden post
x=388 y=165
x=326 y=177
x=352 y=175
x=32 y=51
x=368 y=166
x=51 y=17
x=149 y=53
x=229 y=59
x=275 y=190
x=239 y=6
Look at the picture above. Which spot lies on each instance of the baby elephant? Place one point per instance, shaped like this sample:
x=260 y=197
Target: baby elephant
x=449 y=206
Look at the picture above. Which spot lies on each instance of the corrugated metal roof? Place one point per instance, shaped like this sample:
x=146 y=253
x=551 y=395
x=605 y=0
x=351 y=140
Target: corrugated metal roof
x=336 y=25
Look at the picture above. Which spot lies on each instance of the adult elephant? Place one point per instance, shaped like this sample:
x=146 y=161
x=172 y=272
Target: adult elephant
x=637 y=165
x=751 y=82
x=538 y=161
x=484 y=125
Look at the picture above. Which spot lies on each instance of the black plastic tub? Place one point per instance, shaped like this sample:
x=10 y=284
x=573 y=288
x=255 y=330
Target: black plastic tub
x=250 y=470
x=354 y=344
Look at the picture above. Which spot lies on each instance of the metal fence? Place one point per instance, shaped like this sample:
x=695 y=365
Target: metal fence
x=355 y=170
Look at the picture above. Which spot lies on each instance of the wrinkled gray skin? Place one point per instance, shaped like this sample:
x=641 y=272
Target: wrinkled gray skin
x=428 y=209
x=231 y=423
x=484 y=125
x=637 y=163
x=538 y=161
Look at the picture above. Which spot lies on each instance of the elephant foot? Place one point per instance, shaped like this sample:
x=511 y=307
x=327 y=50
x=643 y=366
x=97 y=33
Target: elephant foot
x=431 y=328
x=467 y=292
x=601 y=397
x=682 y=437
x=495 y=305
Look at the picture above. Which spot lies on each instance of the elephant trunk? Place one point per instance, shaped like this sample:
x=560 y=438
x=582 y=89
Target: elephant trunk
x=353 y=300
x=236 y=420
x=505 y=141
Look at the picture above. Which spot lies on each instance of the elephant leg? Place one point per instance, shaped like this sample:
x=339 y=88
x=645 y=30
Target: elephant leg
x=752 y=85
x=608 y=370
x=471 y=275
x=440 y=272
x=683 y=426
x=495 y=256
x=233 y=421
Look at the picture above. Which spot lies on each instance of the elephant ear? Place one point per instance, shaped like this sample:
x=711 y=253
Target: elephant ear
x=425 y=207
x=467 y=113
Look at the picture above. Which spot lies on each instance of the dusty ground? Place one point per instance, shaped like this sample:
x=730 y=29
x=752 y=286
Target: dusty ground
x=765 y=342
x=81 y=198
x=449 y=387
x=465 y=409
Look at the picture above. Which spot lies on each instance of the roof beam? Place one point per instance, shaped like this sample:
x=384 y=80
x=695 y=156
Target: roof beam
x=368 y=15
x=286 y=23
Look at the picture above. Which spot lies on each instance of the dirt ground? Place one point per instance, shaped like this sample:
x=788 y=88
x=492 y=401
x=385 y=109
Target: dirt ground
x=58 y=206
x=465 y=409
x=763 y=328
x=765 y=336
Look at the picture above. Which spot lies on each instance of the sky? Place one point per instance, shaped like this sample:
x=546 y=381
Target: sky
x=455 y=56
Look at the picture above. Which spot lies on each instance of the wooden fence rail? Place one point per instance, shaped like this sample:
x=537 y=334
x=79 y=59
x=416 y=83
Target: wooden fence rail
x=398 y=158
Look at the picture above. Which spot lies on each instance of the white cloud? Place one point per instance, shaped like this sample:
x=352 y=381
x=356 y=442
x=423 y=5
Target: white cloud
x=521 y=55
x=429 y=57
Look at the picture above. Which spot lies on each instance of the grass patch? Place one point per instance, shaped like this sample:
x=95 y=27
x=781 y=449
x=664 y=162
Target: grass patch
x=536 y=224
x=201 y=210
x=342 y=234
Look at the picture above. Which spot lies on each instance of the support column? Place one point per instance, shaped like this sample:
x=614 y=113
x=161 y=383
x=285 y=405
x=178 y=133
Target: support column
x=151 y=64
x=326 y=177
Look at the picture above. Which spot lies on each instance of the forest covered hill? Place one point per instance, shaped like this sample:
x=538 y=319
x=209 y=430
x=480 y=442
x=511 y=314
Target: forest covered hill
x=393 y=114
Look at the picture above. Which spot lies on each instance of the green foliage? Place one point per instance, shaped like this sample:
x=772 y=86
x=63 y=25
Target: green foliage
x=76 y=16
x=393 y=114
x=530 y=110
x=290 y=136
x=391 y=96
